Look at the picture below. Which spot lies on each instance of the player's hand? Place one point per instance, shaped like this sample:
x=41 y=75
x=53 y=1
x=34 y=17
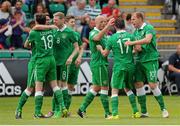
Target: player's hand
x=69 y=61
x=111 y=22
x=128 y=43
x=138 y=48
x=78 y=61
x=99 y=47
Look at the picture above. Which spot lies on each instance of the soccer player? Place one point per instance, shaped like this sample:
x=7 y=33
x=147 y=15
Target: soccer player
x=123 y=69
x=98 y=66
x=75 y=65
x=147 y=63
x=30 y=82
x=65 y=48
x=45 y=66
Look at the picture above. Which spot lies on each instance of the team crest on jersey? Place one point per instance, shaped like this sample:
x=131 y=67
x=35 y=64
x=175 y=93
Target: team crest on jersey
x=63 y=36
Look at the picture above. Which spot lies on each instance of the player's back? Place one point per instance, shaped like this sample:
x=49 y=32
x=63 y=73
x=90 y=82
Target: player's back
x=43 y=41
x=122 y=53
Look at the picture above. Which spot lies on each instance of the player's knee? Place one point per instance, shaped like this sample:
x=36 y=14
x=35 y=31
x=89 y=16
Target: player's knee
x=152 y=85
x=96 y=88
x=139 y=85
x=29 y=89
x=71 y=87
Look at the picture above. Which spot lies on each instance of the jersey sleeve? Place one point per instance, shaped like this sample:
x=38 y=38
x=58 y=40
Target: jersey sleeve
x=150 y=30
x=92 y=34
x=74 y=37
x=109 y=43
x=31 y=37
x=79 y=39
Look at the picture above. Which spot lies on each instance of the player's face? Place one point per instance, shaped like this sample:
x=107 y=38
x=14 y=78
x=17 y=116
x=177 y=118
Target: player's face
x=71 y=23
x=57 y=21
x=47 y=20
x=101 y=23
x=135 y=21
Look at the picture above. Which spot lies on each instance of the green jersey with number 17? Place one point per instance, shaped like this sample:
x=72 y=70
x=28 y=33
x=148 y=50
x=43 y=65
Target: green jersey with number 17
x=122 y=53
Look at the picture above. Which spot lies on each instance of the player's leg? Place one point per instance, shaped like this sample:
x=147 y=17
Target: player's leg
x=114 y=104
x=129 y=81
x=22 y=100
x=132 y=100
x=151 y=73
x=42 y=66
x=72 y=81
x=64 y=70
x=60 y=108
x=38 y=99
x=104 y=82
x=140 y=91
x=27 y=92
x=88 y=99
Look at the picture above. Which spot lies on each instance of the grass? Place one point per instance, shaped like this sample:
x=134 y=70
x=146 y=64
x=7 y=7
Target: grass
x=94 y=112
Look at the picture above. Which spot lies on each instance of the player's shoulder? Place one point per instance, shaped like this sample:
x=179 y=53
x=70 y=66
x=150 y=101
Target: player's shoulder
x=149 y=26
x=93 y=32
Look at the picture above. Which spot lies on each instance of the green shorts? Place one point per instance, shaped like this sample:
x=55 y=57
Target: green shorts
x=100 y=75
x=45 y=69
x=62 y=72
x=73 y=74
x=146 y=71
x=31 y=72
x=123 y=78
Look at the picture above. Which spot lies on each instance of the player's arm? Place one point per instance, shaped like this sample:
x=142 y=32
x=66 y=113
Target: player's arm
x=137 y=48
x=75 y=51
x=44 y=27
x=104 y=31
x=79 y=58
x=27 y=44
x=145 y=40
x=104 y=52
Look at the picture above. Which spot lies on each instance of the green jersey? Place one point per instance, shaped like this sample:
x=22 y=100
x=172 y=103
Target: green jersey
x=43 y=42
x=97 y=58
x=122 y=54
x=149 y=51
x=78 y=36
x=64 y=40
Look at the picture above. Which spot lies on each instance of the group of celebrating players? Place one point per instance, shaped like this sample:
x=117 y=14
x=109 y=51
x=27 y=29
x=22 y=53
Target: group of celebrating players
x=57 y=52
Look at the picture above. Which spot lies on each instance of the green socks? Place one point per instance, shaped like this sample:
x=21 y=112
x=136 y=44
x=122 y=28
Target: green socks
x=69 y=99
x=22 y=100
x=142 y=102
x=157 y=94
x=132 y=100
x=141 y=95
x=114 y=103
x=65 y=96
x=105 y=101
x=160 y=101
x=38 y=102
x=87 y=100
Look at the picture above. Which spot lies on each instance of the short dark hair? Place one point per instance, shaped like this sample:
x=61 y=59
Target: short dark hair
x=68 y=17
x=119 y=23
x=128 y=17
x=40 y=18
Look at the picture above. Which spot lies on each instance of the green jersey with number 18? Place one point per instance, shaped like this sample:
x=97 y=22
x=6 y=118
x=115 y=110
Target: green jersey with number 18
x=43 y=42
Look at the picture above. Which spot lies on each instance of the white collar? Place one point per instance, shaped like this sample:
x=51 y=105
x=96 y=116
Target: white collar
x=62 y=29
x=120 y=31
x=96 y=29
x=143 y=25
